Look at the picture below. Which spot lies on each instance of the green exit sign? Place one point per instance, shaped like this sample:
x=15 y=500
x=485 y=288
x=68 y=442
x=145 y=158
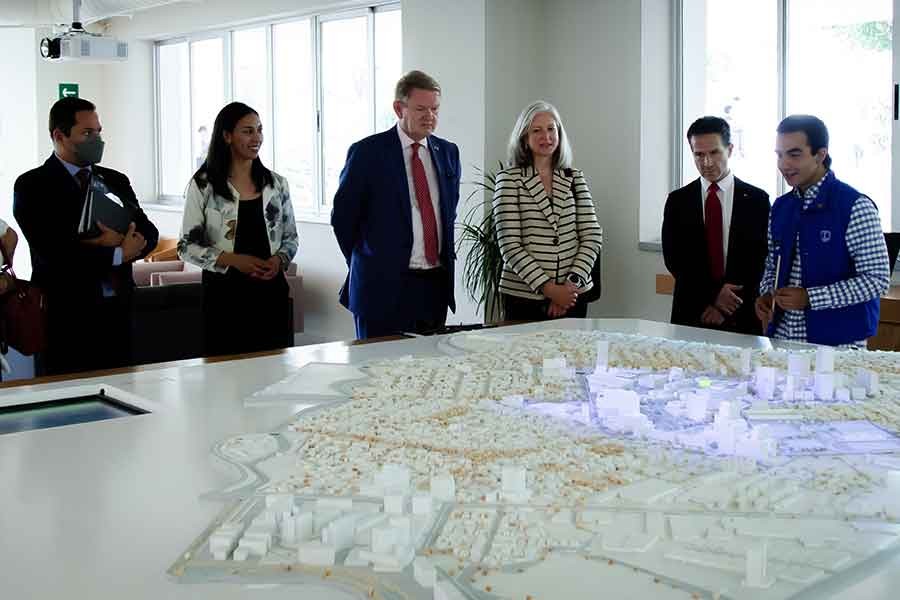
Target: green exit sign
x=68 y=90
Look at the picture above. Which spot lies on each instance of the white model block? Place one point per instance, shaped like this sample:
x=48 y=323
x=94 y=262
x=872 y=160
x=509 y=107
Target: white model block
x=554 y=364
x=354 y=559
x=323 y=518
x=619 y=402
x=513 y=479
x=391 y=563
x=371 y=489
x=402 y=530
x=491 y=496
x=726 y=413
x=395 y=504
x=303 y=526
x=765 y=374
x=789 y=393
x=266 y=519
x=383 y=539
x=868 y=379
x=892 y=481
x=422 y=504
x=745 y=363
x=842 y=395
x=676 y=374
x=824 y=386
x=340 y=532
x=241 y=554
x=443 y=488
x=824 y=360
x=798 y=365
x=265 y=536
x=755 y=575
x=423 y=571
x=288 y=530
x=513 y=401
x=363 y=535
x=316 y=553
x=255 y=546
x=696 y=407
x=394 y=478
x=334 y=504
x=858 y=393
x=223 y=541
x=280 y=502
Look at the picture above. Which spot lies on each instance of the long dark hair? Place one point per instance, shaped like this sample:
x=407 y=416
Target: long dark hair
x=216 y=168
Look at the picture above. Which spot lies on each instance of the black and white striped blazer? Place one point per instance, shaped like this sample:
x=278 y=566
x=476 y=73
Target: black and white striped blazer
x=544 y=239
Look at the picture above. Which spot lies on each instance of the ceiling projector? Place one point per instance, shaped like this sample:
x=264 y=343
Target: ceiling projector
x=80 y=45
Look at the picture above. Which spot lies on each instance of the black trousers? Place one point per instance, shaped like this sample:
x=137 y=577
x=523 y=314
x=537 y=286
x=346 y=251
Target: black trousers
x=422 y=307
x=526 y=309
x=86 y=336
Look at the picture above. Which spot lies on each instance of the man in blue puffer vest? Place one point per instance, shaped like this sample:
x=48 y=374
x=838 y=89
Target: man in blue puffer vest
x=834 y=262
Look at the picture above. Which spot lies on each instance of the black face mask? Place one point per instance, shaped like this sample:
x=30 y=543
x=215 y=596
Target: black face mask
x=90 y=151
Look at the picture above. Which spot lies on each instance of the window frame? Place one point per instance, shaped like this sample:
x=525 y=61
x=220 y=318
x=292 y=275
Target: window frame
x=782 y=58
x=321 y=212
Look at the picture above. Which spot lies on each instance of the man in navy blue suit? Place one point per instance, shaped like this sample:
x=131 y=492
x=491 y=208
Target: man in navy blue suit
x=393 y=218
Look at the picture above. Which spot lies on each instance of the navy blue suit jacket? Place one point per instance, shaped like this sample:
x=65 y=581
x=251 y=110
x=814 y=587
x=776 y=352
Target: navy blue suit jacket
x=372 y=220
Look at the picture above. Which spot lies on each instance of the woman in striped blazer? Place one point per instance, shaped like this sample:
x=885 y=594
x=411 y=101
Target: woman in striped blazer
x=546 y=225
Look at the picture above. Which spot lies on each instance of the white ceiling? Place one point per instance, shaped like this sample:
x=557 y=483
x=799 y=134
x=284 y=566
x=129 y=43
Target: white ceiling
x=47 y=12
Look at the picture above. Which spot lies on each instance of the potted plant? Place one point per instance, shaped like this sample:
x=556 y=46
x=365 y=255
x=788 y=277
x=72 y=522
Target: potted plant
x=483 y=264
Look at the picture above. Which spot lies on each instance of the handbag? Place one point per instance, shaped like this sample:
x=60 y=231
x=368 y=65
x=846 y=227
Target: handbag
x=592 y=294
x=23 y=314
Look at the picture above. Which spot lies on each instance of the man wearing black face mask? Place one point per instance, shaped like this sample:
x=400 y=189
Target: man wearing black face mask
x=83 y=267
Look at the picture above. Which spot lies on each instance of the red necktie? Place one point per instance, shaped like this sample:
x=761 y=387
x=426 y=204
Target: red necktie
x=426 y=210
x=714 y=233
x=84 y=177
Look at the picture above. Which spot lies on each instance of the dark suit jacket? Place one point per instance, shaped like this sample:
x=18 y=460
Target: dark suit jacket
x=372 y=220
x=686 y=256
x=47 y=205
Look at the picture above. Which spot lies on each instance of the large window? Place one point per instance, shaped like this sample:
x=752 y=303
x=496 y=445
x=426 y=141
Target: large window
x=319 y=83
x=752 y=63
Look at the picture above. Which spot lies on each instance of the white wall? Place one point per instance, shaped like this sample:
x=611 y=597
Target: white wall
x=18 y=71
x=447 y=40
x=596 y=76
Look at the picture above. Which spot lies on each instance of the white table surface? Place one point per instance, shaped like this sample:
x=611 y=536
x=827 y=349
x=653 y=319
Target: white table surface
x=101 y=510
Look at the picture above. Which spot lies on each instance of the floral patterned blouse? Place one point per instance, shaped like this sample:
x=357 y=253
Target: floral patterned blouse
x=210 y=221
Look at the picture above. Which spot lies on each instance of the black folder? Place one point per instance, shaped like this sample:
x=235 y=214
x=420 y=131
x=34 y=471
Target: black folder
x=104 y=206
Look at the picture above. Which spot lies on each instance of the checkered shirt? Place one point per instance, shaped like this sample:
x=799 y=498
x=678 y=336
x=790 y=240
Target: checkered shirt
x=865 y=244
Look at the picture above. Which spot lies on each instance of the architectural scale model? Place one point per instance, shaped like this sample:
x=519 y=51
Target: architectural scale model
x=561 y=463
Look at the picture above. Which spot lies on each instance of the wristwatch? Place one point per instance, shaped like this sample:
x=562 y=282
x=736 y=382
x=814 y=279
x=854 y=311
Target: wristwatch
x=576 y=279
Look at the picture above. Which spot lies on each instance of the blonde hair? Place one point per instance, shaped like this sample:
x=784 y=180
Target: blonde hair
x=415 y=80
x=518 y=154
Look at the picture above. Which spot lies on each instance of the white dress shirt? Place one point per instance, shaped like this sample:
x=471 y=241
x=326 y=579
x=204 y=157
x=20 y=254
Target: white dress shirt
x=726 y=199
x=3 y=227
x=417 y=257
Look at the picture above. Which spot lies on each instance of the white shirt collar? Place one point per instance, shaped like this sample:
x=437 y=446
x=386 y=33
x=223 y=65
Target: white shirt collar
x=406 y=141
x=724 y=184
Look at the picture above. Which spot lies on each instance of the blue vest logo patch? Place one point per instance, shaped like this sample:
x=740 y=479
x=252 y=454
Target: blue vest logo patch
x=825 y=236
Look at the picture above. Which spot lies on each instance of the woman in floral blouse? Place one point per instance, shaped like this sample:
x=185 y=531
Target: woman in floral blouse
x=238 y=225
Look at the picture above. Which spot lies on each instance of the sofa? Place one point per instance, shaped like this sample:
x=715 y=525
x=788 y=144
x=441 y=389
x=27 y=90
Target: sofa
x=171 y=272
x=167 y=320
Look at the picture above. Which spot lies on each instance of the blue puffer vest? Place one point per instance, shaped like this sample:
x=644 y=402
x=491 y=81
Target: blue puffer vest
x=824 y=260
